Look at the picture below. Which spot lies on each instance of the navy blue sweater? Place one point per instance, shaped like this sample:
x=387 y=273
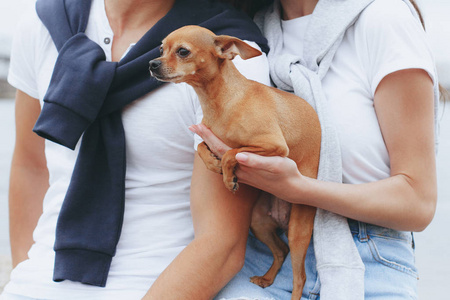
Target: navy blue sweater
x=85 y=98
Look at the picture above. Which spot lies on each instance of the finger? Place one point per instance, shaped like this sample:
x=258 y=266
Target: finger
x=251 y=176
x=199 y=130
x=194 y=129
x=214 y=143
x=243 y=173
x=267 y=163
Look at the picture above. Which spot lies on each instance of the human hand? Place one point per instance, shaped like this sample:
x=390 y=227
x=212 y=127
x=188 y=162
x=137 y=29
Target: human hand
x=214 y=143
x=274 y=174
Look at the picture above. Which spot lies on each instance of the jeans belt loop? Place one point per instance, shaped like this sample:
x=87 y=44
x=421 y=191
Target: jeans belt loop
x=362 y=232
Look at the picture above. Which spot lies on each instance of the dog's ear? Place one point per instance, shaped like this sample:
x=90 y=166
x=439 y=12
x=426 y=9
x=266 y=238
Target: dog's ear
x=227 y=47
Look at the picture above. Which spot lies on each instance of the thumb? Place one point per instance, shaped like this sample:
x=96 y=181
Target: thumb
x=257 y=161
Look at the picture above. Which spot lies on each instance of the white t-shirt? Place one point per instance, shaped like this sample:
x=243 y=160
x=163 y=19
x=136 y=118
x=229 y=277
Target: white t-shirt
x=160 y=151
x=386 y=38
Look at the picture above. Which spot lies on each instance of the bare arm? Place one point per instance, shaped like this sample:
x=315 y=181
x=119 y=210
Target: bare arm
x=221 y=224
x=28 y=180
x=404 y=201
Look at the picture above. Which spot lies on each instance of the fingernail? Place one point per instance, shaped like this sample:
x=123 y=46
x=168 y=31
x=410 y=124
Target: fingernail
x=241 y=157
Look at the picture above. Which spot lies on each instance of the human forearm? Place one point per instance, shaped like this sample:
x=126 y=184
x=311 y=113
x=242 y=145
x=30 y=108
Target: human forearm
x=393 y=202
x=27 y=189
x=221 y=223
x=199 y=271
x=28 y=180
x=402 y=202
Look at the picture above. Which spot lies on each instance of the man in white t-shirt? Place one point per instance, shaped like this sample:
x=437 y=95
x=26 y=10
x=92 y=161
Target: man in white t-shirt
x=160 y=149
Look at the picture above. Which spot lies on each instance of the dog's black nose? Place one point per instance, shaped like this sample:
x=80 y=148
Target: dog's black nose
x=155 y=64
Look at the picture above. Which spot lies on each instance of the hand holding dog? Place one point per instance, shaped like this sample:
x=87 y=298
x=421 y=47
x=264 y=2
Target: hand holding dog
x=274 y=174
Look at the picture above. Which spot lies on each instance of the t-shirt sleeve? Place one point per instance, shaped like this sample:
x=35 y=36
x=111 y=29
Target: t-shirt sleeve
x=394 y=40
x=22 y=71
x=256 y=69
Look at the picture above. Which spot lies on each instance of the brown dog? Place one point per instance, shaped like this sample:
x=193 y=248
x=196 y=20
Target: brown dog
x=251 y=117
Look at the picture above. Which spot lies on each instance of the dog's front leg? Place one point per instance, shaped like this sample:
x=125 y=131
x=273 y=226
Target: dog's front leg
x=211 y=161
x=229 y=163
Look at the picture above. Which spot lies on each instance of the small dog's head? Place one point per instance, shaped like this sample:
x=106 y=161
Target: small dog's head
x=193 y=54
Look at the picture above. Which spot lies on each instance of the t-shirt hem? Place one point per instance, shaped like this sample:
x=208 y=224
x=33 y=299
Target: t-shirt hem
x=398 y=67
x=36 y=292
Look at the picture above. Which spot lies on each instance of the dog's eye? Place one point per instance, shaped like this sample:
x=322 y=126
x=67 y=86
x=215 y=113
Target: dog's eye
x=161 y=50
x=182 y=52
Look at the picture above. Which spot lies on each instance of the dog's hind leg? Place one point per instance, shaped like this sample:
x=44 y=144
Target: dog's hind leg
x=299 y=235
x=264 y=227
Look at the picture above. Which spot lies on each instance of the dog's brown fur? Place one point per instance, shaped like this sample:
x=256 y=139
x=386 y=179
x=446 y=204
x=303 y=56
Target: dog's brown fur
x=251 y=117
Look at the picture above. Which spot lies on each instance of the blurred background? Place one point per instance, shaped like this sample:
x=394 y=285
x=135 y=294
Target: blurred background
x=432 y=245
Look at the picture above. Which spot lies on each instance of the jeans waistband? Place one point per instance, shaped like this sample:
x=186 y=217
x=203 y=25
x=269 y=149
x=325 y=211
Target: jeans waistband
x=365 y=230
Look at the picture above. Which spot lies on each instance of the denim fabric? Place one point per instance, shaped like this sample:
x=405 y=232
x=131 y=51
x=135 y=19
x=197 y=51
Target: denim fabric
x=388 y=256
x=389 y=259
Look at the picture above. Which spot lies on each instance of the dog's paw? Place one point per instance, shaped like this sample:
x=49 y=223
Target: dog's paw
x=214 y=165
x=232 y=185
x=236 y=184
x=261 y=281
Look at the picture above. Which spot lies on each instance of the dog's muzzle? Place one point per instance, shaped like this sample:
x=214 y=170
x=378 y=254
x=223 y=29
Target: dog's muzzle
x=154 y=66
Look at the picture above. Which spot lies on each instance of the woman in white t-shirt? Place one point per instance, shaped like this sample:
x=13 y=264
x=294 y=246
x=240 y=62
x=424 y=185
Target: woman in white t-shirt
x=381 y=90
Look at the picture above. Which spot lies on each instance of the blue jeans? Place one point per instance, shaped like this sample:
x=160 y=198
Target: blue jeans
x=388 y=256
